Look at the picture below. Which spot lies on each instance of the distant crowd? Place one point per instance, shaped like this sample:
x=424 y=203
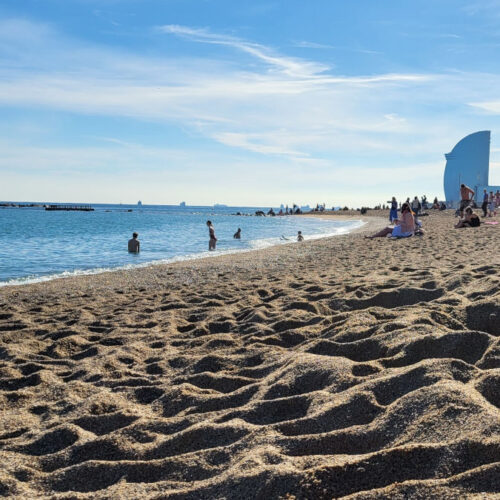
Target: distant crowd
x=407 y=223
x=404 y=217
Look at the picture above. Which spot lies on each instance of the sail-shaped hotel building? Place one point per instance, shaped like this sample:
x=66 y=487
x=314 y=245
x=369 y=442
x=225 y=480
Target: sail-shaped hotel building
x=469 y=164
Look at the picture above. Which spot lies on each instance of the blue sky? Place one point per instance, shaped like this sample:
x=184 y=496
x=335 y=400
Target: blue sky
x=245 y=103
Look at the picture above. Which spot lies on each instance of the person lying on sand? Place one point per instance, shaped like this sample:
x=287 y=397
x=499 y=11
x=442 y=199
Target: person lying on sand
x=470 y=219
x=405 y=226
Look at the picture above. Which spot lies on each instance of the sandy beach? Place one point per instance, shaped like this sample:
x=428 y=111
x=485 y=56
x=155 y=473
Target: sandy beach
x=341 y=367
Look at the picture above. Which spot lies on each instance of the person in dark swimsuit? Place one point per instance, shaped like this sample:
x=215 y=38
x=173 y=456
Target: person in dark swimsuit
x=237 y=234
x=212 y=242
x=469 y=220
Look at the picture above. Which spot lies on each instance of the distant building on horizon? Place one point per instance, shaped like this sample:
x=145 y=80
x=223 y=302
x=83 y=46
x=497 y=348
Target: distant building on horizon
x=469 y=164
x=139 y=203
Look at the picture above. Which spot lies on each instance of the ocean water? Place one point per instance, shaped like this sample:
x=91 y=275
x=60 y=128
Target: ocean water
x=38 y=245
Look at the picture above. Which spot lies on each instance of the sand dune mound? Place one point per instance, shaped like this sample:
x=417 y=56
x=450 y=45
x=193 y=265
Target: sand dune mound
x=292 y=373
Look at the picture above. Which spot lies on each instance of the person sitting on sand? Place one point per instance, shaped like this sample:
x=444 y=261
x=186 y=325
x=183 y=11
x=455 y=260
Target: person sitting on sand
x=134 y=245
x=299 y=236
x=405 y=226
x=237 y=234
x=212 y=242
x=469 y=220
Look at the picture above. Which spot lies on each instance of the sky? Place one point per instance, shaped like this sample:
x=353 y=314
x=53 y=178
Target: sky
x=248 y=103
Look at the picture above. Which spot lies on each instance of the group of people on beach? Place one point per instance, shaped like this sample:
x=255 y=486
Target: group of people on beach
x=407 y=223
x=402 y=226
x=491 y=201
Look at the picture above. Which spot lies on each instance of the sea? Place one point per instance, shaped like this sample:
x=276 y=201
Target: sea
x=38 y=245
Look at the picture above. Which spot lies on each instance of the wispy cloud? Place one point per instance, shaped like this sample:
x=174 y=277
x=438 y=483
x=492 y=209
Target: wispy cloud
x=483 y=6
x=269 y=108
x=290 y=66
x=492 y=107
x=313 y=45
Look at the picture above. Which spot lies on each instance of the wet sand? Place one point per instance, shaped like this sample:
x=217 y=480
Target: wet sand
x=341 y=367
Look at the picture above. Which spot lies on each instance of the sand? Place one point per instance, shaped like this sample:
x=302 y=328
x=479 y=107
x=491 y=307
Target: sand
x=342 y=367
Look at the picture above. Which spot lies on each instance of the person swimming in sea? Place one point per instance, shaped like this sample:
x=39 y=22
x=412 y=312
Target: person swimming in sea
x=212 y=242
x=134 y=245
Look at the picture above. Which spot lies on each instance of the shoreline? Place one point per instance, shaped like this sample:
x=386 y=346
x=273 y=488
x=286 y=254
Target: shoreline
x=338 y=367
x=174 y=260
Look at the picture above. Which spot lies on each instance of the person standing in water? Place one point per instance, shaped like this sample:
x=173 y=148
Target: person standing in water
x=212 y=242
x=134 y=246
x=237 y=234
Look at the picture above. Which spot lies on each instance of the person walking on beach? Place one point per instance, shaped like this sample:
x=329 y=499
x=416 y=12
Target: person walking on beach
x=134 y=245
x=484 y=206
x=237 y=234
x=393 y=214
x=212 y=242
x=466 y=194
x=415 y=205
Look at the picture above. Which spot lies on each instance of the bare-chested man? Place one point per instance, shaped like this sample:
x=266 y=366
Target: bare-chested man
x=134 y=245
x=466 y=194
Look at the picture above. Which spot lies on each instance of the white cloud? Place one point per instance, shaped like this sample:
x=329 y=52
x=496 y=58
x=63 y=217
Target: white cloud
x=268 y=111
x=313 y=45
x=490 y=106
x=290 y=66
